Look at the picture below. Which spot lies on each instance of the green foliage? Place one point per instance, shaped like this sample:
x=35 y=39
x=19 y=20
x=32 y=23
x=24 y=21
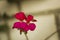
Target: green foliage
x=4 y=28
x=13 y=1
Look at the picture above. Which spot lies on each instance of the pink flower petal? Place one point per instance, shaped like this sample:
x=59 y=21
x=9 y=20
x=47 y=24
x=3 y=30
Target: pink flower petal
x=24 y=26
x=17 y=25
x=20 y=16
x=32 y=26
x=29 y=18
x=21 y=25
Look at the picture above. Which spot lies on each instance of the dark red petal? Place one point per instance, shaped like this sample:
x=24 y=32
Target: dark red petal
x=21 y=31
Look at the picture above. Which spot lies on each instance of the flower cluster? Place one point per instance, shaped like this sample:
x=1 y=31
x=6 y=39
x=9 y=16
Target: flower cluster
x=24 y=24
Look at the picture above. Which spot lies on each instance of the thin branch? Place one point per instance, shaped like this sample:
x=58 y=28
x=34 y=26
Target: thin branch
x=52 y=34
x=26 y=36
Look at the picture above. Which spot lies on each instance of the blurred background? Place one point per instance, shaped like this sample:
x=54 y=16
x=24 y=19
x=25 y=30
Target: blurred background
x=47 y=13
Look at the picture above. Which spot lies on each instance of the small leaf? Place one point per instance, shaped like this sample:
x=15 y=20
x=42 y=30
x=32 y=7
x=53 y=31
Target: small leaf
x=34 y=20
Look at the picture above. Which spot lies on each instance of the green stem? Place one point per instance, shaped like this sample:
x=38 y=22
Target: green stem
x=26 y=36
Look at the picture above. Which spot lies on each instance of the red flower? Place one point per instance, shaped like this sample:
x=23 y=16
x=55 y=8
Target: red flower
x=24 y=26
x=20 y=16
